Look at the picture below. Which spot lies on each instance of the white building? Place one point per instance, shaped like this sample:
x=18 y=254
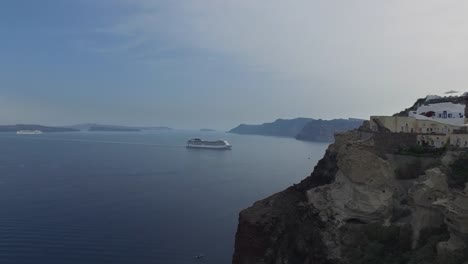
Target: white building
x=446 y=113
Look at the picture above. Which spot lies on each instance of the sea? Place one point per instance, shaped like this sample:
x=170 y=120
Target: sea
x=137 y=198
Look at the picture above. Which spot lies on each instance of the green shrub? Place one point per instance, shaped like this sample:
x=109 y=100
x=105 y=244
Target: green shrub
x=410 y=171
x=422 y=151
x=459 y=174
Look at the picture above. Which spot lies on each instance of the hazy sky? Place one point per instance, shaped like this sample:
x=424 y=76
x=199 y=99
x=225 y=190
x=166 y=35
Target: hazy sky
x=217 y=63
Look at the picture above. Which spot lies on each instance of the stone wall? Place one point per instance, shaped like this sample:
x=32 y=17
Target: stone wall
x=380 y=140
x=398 y=124
x=436 y=140
x=353 y=136
x=459 y=140
x=394 y=141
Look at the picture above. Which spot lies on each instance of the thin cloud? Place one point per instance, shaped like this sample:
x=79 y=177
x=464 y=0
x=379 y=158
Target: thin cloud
x=308 y=38
x=399 y=50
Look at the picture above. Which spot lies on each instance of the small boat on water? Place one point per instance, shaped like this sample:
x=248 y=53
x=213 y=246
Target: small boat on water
x=218 y=144
x=28 y=132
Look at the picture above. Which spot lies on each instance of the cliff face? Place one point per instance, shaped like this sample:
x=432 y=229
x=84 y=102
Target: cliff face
x=365 y=202
x=284 y=227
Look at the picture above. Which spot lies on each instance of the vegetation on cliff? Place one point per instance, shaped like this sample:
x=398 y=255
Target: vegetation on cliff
x=458 y=175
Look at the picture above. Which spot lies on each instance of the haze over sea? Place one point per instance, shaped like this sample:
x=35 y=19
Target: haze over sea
x=100 y=198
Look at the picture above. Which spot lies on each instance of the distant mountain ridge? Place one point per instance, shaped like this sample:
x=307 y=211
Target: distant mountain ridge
x=324 y=130
x=78 y=127
x=280 y=127
x=301 y=128
x=18 y=127
x=102 y=128
x=115 y=128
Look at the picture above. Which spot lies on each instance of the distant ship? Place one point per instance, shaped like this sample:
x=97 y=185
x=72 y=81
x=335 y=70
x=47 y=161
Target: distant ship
x=198 y=143
x=28 y=132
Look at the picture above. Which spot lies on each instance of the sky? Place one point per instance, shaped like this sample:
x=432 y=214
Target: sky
x=215 y=64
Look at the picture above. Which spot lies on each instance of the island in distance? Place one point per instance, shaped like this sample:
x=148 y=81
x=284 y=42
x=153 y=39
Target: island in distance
x=115 y=128
x=207 y=130
x=301 y=128
x=77 y=128
x=33 y=127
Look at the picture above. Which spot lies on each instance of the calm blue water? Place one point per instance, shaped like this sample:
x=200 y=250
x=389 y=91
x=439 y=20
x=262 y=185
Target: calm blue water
x=135 y=198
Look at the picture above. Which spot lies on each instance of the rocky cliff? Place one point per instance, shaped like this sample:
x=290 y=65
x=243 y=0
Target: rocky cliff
x=365 y=202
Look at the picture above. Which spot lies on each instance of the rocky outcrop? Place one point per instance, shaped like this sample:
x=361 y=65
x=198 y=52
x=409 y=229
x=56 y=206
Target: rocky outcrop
x=427 y=189
x=283 y=228
x=363 y=204
x=370 y=183
x=455 y=210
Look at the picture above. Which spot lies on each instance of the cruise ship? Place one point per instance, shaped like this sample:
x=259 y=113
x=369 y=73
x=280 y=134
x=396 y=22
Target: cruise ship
x=28 y=132
x=198 y=143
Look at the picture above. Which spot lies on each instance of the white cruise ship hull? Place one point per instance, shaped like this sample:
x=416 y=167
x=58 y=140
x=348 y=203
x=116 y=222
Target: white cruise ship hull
x=29 y=132
x=198 y=143
x=209 y=147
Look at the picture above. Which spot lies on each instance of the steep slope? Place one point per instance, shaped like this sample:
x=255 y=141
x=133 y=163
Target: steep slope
x=283 y=228
x=365 y=202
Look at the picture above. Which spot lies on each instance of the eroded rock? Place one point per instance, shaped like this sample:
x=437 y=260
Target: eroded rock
x=361 y=205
